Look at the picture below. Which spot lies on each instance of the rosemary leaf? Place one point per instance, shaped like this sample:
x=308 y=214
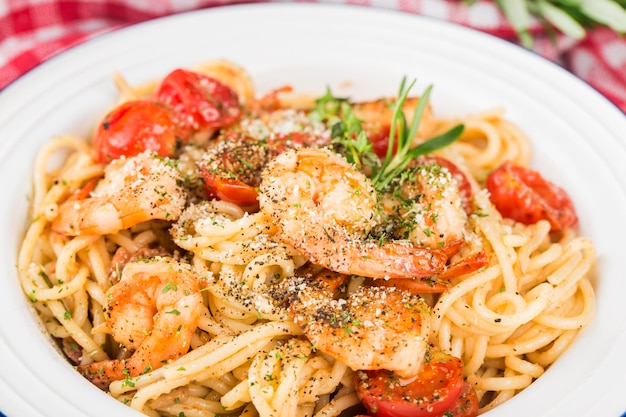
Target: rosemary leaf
x=606 y=12
x=518 y=15
x=561 y=19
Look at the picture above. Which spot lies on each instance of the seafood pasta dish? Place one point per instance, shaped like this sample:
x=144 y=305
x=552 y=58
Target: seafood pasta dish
x=207 y=251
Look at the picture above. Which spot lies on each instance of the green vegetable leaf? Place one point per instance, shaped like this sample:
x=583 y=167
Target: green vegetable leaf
x=561 y=20
x=570 y=17
x=518 y=15
x=606 y=12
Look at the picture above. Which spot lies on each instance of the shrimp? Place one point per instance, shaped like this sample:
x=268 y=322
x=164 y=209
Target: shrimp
x=373 y=328
x=133 y=190
x=153 y=311
x=325 y=208
x=426 y=206
x=429 y=206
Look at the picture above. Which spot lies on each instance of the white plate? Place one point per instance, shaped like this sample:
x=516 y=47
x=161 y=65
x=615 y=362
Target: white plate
x=578 y=137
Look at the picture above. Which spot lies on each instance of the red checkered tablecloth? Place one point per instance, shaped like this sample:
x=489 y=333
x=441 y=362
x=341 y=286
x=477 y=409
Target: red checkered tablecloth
x=32 y=31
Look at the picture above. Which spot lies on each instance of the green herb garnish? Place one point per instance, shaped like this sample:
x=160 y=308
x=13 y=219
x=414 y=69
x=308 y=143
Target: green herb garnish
x=349 y=138
x=393 y=164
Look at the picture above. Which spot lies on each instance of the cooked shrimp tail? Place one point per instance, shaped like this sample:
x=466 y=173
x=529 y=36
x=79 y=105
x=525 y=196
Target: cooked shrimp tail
x=375 y=260
x=102 y=373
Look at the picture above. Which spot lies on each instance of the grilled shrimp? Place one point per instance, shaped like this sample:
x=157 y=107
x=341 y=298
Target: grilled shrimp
x=153 y=311
x=426 y=206
x=133 y=190
x=325 y=208
x=373 y=328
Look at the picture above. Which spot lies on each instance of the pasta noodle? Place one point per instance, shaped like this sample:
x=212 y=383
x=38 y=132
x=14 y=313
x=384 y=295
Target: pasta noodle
x=508 y=321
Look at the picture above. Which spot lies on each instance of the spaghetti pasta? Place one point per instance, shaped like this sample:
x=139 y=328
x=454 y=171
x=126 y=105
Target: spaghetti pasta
x=508 y=320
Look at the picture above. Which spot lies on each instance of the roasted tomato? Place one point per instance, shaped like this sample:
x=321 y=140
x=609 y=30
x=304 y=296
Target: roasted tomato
x=231 y=167
x=379 y=139
x=523 y=195
x=436 y=389
x=202 y=101
x=228 y=189
x=134 y=127
x=466 y=405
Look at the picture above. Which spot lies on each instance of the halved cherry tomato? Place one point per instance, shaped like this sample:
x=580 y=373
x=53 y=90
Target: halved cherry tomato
x=230 y=190
x=202 y=101
x=466 y=405
x=379 y=138
x=231 y=170
x=136 y=126
x=436 y=389
x=523 y=195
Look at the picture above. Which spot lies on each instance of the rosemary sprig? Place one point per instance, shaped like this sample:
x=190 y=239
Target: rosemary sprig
x=393 y=164
x=351 y=140
x=571 y=17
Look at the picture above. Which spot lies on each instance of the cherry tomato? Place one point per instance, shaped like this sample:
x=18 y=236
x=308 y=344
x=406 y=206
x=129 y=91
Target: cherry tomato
x=379 y=138
x=230 y=190
x=134 y=127
x=219 y=187
x=203 y=102
x=466 y=405
x=523 y=195
x=435 y=390
x=231 y=170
